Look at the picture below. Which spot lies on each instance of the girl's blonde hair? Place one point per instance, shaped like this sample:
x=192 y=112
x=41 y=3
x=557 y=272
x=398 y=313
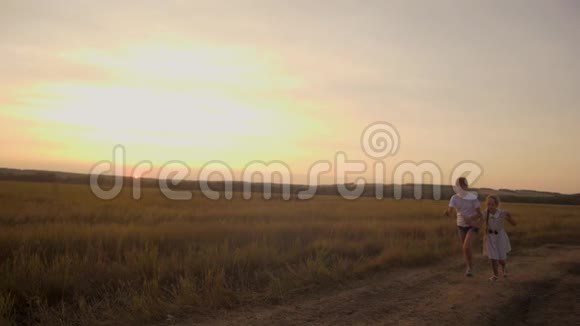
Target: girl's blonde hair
x=495 y=199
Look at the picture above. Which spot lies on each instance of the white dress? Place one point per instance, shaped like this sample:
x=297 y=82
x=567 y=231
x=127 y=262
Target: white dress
x=496 y=242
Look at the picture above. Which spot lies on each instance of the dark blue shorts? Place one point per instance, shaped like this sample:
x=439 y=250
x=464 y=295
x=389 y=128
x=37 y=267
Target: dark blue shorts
x=464 y=229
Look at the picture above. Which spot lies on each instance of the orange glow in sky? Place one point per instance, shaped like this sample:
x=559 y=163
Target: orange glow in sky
x=200 y=81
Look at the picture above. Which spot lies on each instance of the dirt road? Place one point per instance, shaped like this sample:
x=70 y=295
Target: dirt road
x=543 y=288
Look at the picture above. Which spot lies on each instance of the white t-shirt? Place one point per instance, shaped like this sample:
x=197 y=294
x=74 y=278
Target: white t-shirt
x=465 y=208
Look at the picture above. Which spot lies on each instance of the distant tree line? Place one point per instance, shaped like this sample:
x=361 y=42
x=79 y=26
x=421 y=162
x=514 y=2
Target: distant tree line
x=370 y=190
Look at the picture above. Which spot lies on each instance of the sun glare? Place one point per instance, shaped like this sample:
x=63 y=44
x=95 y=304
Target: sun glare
x=165 y=97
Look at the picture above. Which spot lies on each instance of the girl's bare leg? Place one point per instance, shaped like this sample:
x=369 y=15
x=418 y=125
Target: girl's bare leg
x=503 y=267
x=494 y=267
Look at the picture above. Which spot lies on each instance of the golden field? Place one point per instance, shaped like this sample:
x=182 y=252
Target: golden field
x=67 y=257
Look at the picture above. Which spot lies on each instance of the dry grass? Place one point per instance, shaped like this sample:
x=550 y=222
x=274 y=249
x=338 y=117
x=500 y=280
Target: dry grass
x=69 y=258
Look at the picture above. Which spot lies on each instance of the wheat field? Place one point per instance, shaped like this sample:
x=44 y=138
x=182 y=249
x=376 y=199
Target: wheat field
x=68 y=258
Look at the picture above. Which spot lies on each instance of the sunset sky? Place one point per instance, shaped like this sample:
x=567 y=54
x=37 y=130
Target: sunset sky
x=495 y=82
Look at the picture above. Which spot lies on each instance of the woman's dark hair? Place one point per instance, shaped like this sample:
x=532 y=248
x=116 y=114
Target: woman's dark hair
x=463 y=182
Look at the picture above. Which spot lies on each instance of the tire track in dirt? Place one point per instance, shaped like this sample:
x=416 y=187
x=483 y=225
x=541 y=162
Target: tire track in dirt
x=542 y=288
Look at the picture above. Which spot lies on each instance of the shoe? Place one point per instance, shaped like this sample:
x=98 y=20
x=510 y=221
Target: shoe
x=468 y=273
x=493 y=278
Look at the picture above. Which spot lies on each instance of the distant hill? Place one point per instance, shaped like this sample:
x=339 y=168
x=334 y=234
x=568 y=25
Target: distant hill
x=507 y=195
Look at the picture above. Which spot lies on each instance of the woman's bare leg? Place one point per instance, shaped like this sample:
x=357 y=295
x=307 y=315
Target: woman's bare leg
x=467 y=249
x=462 y=236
